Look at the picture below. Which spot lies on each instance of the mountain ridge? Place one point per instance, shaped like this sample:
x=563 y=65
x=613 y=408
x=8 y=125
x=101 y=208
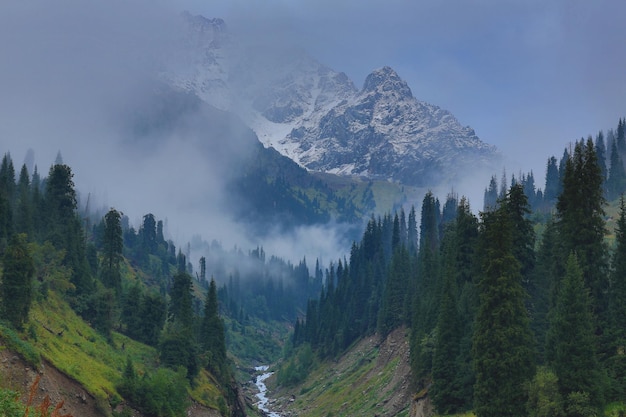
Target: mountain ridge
x=317 y=117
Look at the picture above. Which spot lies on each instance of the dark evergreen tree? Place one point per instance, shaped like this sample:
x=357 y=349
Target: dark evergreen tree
x=64 y=228
x=16 y=285
x=616 y=181
x=148 y=234
x=153 y=309
x=181 y=304
x=131 y=314
x=580 y=211
x=503 y=345
x=202 y=276
x=544 y=287
x=7 y=191
x=112 y=248
x=403 y=228
x=448 y=213
x=575 y=361
x=523 y=233
x=177 y=348
x=100 y=311
x=465 y=268
x=528 y=185
x=617 y=310
x=412 y=232
x=445 y=390
x=601 y=151
x=212 y=338
x=427 y=289
x=562 y=163
x=24 y=206
x=620 y=138
x=553 y=187
x=393 y=310
x=491 y=195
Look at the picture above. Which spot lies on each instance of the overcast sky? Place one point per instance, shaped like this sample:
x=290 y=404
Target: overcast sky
x=529 y=76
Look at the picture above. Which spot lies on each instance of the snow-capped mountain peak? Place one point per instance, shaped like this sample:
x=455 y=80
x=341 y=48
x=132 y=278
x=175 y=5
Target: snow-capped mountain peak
x=316 y=116
x=386 y=80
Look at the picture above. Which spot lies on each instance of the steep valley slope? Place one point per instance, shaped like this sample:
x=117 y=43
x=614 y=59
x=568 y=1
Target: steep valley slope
x=19 y=376
x=371 y=378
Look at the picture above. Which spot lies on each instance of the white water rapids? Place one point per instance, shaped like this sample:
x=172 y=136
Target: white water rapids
x=260 y=383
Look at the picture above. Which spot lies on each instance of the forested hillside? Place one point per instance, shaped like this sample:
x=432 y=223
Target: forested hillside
x=66 y=270
x=517 y=311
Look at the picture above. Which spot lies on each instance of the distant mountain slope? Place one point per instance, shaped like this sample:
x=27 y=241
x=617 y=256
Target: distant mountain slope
x=257 y=185
x=319 y=119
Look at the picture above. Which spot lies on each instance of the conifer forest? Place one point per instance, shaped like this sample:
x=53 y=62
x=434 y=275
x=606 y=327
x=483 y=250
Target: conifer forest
x=514 y=308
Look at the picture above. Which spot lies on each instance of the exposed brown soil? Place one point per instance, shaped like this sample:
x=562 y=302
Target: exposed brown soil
x=19 y=376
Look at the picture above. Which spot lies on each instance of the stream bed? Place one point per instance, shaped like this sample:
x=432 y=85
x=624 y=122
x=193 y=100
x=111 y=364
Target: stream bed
x=259 y=381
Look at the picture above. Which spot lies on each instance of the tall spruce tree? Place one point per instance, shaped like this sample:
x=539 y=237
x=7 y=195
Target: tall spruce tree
x=16 y=283
x=212 y=340
x=446 y=391
x=601 y=151
x=7 y=187
x=490 y=199
x=544 y=287
x=24 y=205
x=393 y=311
x=177 y=346
x=616 y=181
x=503 y=344
x=65 y=230
x=575 y=362
x=427 y=288
x=523 y=233
x=466 y=266
x=181 y=304
x=617 y=310
x=552 y=187
x=580 y=212
x=112 y=247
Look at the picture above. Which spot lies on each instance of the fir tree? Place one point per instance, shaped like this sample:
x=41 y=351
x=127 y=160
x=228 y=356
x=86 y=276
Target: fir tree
x=445 y=390
x=616 y=180
x=113 y=246
x=575 y=362
x=491 y=195
x=544 y=287
x=552 y=188
x=523 y=233
x=503 y=354
x=24 y=206
x=7 y=187
x=212 y=339
x=580 y=211
x=16 y=285
x=412 y=232
x=393 y=310
x=617 y=309
x=64 y=227
x=152 y=313
x=181 y=305
x=601 y=150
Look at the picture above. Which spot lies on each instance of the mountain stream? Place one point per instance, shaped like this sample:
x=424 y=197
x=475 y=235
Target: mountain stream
x=259 y=381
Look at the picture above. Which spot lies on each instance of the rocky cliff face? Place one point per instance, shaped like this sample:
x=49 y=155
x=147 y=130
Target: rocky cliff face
x=317 y=117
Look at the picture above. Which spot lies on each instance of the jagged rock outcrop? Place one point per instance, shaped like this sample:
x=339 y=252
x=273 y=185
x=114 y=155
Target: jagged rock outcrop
x=318 y=118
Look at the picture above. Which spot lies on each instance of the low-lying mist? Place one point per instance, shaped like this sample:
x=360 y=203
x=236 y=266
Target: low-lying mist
x=80 y=80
